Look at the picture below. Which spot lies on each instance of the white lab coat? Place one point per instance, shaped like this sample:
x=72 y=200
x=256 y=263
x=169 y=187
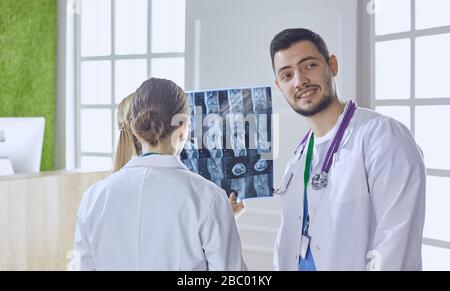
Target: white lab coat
x=154 y=214
x=373 y=206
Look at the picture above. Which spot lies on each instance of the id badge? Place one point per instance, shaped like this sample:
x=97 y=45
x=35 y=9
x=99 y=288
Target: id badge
x=304 y=247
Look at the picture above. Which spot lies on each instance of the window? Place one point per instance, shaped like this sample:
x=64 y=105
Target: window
x=409 y=42
x=119 y=44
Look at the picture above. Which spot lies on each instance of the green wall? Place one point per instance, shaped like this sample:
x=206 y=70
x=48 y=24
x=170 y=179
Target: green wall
x=28 y=64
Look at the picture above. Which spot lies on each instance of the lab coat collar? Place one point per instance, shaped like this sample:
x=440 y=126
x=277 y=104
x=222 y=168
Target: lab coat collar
x=347 y=133
x=351 y=126
x=156 y=161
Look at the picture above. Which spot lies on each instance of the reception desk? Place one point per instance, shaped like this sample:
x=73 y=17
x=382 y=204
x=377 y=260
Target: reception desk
x=38 y=216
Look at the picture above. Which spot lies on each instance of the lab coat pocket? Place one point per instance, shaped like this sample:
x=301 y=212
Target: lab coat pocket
x=347 y=180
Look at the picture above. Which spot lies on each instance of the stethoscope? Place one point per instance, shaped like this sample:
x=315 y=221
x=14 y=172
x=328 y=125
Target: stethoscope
x=320 y=180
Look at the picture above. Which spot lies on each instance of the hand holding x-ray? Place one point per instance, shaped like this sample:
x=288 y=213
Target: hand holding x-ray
x=238 y=207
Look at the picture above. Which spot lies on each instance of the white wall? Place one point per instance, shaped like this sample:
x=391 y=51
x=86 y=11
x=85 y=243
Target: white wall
x=227 y=45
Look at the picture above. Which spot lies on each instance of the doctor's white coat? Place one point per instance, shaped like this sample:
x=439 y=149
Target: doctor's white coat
x=154 y=214
x=372 y=211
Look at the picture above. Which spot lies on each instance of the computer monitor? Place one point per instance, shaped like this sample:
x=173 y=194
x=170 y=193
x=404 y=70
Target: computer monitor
x=21 y=140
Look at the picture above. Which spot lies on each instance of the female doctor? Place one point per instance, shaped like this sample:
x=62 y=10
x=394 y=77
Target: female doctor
x=154 y=214
x=128 y=146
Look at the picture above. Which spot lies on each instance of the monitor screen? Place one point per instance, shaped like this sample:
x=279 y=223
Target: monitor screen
x=230 y=139
x=21 y=140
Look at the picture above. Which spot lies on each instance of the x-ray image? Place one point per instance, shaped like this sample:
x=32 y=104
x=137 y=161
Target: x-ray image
x=233 y=149
x=261 y=165
x=215 y=171
x=237 y=134
x=213 y=135
x=239 y=186
x=212 y=102
x=263 y=144
x=239 y=169
x=261 y=185
x=260 y=105
x=191 y=164
x=236 y=101
x=192 y=143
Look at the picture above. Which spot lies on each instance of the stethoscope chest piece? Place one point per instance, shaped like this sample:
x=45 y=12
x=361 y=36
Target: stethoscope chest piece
x=319 y=181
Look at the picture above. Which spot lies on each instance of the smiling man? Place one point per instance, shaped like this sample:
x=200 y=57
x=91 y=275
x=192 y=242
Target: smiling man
x=354 y=191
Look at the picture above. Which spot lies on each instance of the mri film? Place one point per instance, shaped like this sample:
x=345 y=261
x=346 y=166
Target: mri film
x=230 y=139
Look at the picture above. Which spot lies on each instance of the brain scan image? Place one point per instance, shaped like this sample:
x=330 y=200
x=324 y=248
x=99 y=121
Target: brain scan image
x=261 y=165
x=238 y=169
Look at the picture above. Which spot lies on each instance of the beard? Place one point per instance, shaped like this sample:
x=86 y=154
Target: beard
x=323 y=104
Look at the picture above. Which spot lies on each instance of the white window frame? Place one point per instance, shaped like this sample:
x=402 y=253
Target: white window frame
x=366 y=70
x=75 y=147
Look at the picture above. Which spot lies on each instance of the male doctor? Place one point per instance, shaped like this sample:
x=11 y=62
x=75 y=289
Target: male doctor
x=353 y=193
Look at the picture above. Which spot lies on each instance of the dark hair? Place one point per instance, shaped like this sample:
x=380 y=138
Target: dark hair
x=155 y=103
x=288 y=37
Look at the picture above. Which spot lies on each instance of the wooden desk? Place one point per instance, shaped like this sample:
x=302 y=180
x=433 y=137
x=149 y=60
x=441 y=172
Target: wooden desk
x=38 y=216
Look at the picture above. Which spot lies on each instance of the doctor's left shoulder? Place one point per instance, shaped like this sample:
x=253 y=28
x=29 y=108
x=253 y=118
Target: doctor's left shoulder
x=386 y=138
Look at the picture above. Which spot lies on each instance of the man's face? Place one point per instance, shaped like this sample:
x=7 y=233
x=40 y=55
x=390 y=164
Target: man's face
x=305 y=78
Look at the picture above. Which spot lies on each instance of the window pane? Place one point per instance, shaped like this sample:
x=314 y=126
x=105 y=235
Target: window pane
x=393 y=69
x=435 y=147
x=96 y=131
x=432 y=66
x=393 y=16
x=130 y=74
x=400 y=113
x=131 y=27
x=95 y=27
x=96 y=82
x=168 y=25
x=96 y=163
x=437 y=212
x=435 y=259
x=432 y=13
x=169 y=68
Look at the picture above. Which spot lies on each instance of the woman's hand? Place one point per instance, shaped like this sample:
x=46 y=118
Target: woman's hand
x=238 y=208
